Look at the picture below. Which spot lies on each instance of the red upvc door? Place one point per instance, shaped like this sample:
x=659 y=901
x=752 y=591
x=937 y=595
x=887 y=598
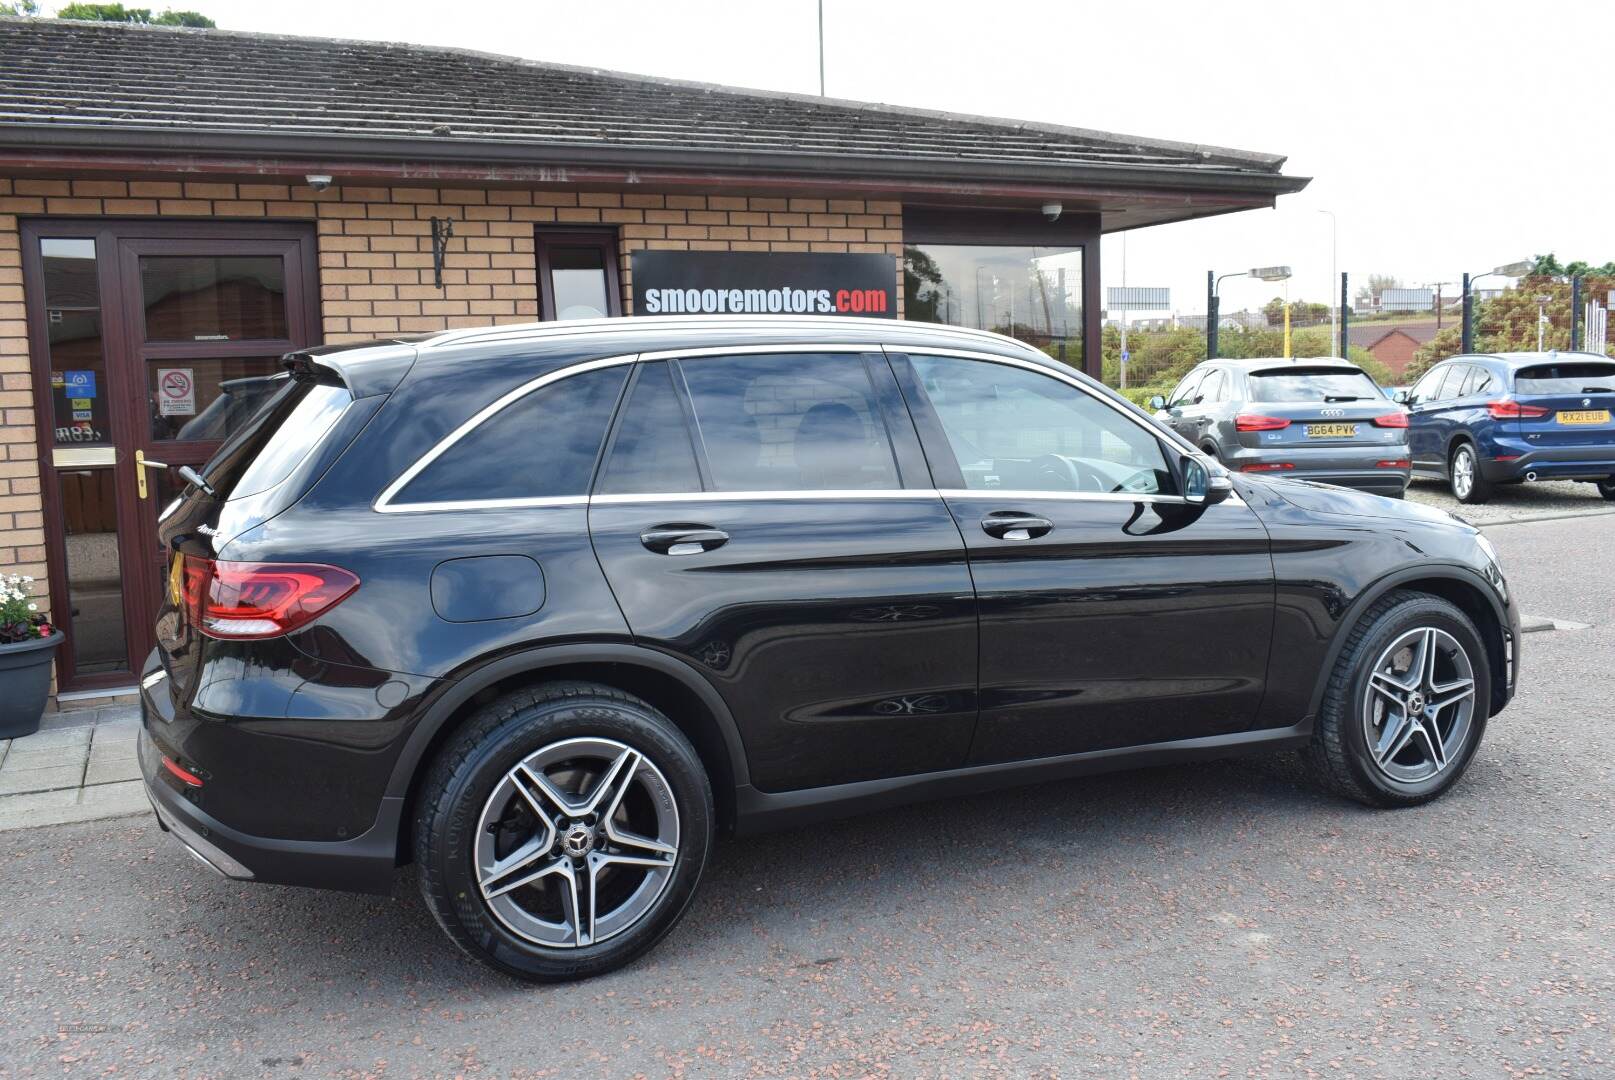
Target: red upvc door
x=150 y=340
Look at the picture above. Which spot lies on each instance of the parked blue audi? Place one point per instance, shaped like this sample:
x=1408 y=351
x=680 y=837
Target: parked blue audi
x=1477 y=421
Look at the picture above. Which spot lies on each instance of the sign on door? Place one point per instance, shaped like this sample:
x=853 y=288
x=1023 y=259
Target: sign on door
x=176 y=391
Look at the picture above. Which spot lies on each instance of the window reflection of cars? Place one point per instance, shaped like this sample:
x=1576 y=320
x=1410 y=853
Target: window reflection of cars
x=238 y=399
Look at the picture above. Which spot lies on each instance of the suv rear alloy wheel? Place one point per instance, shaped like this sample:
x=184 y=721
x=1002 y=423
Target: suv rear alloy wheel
x=1406 y=703
x=563 y=831
x=1606 y=488
x=1468 y=485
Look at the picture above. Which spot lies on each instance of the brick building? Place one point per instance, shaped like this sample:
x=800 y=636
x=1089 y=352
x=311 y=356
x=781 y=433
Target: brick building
x=178 y=208
x=1392 y=344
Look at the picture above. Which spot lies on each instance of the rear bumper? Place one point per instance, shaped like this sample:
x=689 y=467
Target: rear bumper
x=363 y=864
x=1557 y=463
x=1354 y=467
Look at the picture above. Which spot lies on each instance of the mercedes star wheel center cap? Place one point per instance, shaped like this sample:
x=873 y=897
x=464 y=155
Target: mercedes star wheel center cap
x=577 y=842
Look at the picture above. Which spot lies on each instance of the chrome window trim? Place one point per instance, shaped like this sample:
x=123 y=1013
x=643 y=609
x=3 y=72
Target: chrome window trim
x=384 y=502
x=783 y=495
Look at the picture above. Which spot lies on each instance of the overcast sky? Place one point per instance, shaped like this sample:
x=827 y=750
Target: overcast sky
x=1444 y=136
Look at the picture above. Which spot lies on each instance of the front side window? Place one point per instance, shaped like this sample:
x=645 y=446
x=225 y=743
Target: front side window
x=1212 y=389
x=542 y=445
x=1426 y=388
x=778 y=422
x=1185 y=393
x=1020 y=430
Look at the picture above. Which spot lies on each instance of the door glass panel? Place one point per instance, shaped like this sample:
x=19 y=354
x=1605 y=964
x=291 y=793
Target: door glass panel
x=578 y=281
x=213 y=297
x=197 y=400
x=651 y=453
x=790 y=423
x=1017 y=430
x=78 y=371
x=94 y=571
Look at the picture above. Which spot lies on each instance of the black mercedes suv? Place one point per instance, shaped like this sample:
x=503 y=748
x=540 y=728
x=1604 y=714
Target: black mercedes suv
x=544 y=609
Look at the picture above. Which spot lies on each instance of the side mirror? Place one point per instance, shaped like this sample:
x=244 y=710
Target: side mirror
x=1158 y=403
x=1201 y=486
x=1402 y=397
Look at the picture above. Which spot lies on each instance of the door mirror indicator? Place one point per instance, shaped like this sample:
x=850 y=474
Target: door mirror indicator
x=1201 y=486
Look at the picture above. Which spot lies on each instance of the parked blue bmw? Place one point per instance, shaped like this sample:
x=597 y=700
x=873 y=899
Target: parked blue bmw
x=1500 y=418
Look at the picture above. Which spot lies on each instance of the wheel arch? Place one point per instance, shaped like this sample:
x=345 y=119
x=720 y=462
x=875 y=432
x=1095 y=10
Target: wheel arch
x=664 y=682
x=1455 y=583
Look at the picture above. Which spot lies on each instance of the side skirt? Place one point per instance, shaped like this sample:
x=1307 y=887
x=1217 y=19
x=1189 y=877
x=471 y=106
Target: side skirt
x=761 y=811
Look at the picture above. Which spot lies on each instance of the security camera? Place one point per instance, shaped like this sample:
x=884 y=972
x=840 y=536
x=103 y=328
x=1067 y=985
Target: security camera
x=1051 y=210
x=320 y=183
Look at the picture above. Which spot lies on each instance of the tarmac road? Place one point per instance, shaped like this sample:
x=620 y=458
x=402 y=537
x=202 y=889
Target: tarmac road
x=1217 y=920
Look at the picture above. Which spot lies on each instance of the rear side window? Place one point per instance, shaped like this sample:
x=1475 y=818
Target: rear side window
x=651 y=452
x=1212 y=389
x=1312 y=384
x=1576 y=377
x=789 y=423
x=292 y=420
x=542 y=445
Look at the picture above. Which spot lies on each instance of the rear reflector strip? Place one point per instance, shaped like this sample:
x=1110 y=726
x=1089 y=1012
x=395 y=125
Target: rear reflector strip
x=1394 y=463
x=1267 y=466
x=185 y=776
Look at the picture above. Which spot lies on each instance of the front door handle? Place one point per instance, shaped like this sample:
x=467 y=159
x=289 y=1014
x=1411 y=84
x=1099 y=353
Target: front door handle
x=1013 y=525
x=683 y=539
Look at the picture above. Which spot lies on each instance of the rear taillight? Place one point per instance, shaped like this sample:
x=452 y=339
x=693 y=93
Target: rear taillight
x=1258 y=422
x=1267 y=466
x=1395 y=419
x=259 y=600
x=1509 y=409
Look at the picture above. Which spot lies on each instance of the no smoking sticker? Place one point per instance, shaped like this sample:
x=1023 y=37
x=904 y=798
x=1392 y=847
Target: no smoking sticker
x=176 y=392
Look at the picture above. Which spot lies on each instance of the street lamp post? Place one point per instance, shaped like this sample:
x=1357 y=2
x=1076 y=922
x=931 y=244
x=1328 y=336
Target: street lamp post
x=1214 y=301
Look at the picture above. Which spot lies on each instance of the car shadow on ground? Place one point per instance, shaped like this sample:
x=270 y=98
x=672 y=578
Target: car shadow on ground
x=850 y=870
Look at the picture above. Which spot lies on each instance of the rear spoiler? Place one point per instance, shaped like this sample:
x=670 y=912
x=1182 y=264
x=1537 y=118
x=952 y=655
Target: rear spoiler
x=366 y=370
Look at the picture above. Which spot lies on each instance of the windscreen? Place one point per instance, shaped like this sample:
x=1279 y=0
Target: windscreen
x=1579 y=377
x=289 y=424
x=1313 y=384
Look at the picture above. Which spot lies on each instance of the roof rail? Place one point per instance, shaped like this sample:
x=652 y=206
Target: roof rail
x=524 y=331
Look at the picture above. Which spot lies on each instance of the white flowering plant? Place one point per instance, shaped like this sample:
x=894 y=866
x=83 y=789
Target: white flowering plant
x=20 y=619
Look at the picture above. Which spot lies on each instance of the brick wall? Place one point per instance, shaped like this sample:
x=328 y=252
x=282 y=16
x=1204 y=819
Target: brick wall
x=375 y=258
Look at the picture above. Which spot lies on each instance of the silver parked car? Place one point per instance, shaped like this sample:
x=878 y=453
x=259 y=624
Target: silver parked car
x=1321 y=418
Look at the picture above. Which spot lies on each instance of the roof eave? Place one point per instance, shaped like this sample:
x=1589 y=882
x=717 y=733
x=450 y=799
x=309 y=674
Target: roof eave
x=562 y=156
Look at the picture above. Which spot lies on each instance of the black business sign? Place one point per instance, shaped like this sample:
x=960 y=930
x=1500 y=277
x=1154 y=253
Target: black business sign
x=764 y=283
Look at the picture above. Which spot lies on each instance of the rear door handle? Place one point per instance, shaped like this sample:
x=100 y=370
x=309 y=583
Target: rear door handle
x=1013 y=525
x=683 y=539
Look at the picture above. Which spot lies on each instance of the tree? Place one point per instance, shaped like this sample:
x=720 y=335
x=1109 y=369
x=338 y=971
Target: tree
x=1377 y=284
x=1509 y=322
x=119 y=13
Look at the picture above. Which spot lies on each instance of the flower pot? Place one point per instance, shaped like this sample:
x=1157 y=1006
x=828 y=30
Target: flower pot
x=25 y=684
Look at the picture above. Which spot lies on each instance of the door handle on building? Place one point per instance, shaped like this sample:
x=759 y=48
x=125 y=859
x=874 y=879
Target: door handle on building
x=142 y=463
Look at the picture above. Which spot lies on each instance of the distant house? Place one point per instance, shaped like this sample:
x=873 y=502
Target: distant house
x=1392 y=344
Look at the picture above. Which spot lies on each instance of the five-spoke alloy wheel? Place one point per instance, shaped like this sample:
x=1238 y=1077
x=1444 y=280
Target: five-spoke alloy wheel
x=1406 y=703
x=562 y=831
x=577 y=842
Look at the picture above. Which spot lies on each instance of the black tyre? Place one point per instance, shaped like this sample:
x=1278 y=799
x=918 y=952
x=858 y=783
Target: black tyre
x=562 y=832
x=1464 y=477
x=1606 y=488
x=1406 y=704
